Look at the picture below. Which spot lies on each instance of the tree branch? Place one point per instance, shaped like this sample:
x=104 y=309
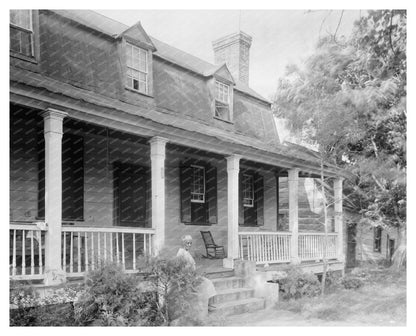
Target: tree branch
x=339 y=23
x=379 y=184
x=390 y=31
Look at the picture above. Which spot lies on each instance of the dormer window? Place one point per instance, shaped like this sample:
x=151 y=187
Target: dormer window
x=137 y=68
x=222 y=101
x=21 y=32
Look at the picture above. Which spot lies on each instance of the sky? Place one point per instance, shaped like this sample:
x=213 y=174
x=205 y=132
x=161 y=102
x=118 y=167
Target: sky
x=280 y=37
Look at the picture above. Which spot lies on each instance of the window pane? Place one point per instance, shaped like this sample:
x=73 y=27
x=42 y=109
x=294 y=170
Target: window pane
x=222 y=111
x=129 y=56
x=26 y=40
x=21 y=41
x=221 y=93
x=21 y=18
x=142 y=87
x=15 y=40
x=136 y=59
x=135 y=84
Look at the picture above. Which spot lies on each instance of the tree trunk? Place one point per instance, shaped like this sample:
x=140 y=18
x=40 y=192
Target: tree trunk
x=324 y=259
x=399 y=256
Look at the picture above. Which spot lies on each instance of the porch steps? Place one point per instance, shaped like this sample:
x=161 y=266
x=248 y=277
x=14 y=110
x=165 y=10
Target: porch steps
x=233 y=297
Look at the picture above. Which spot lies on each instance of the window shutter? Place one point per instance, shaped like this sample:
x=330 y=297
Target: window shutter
x=211 y=193
x=185 y=184
x=240 y=199
x=259 y=198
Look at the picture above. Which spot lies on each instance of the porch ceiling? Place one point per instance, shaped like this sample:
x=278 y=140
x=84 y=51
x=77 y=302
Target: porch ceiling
x=93 y=108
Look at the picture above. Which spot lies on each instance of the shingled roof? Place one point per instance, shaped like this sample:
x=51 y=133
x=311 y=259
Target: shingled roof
x=169 y=53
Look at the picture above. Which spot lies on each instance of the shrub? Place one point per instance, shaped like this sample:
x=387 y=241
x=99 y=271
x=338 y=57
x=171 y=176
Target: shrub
x=30 y=309
x=112 y=298
x=176 y=284
x=298 y=284
x=351 y=282
x=332 y=281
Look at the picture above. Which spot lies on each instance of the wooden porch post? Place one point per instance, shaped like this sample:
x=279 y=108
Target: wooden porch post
x=338 y=217
x=157 y=156
x=293 y=185
x=233 y=168
x=53 y=132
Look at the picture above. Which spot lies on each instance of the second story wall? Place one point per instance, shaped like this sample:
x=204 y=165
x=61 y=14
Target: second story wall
x=77 y=54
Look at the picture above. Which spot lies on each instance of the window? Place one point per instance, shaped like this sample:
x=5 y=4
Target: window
x=198 y=190
x=377 y=239
x=137 y=69
x=251 y=198
x=21 y=32
x=222 y=101
x=248 y=191
x=198 y=184
x=131 y=194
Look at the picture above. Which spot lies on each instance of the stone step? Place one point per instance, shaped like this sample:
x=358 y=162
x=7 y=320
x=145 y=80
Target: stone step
x=220 y=274
x=232 y=294
x=221 y=284
x=239 y=307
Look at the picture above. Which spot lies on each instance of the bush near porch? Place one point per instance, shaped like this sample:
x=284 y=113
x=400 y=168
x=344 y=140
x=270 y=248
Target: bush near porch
x=110 y=297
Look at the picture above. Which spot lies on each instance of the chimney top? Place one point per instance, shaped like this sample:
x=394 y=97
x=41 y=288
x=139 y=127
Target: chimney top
x=234 y=50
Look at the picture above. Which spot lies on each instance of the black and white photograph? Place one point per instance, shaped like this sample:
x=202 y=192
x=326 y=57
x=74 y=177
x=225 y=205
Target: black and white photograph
x=207 y=167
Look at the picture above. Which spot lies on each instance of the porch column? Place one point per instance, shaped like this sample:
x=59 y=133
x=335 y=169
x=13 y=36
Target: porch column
x=157 y=156
x=233 y=168
x=293 y=186
x=53 y=132
x=338 y=216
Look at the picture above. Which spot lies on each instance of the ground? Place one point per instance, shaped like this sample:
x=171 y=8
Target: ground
x=380 y=302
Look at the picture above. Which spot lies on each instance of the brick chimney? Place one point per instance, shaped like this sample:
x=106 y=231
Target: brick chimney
x=234 y=50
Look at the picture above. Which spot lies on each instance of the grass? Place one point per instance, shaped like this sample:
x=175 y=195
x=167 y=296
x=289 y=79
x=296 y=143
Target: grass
x=381 y=301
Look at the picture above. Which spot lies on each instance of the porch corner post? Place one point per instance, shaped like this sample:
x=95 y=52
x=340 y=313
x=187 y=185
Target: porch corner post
x=339 y=223
x=233 y=168
x=157 y=157
x=53 y=132
x=293 y=186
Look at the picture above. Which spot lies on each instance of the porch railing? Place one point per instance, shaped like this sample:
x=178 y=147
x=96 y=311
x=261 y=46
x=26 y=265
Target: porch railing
x=85 y=248
x=311 y=246
x=27 y=251
x=275 y=247
x=270 y=247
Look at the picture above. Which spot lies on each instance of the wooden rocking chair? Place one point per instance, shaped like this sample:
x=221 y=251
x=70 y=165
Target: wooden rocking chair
x=214 y=251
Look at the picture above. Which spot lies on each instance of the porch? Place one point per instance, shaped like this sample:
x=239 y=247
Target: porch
x=57 y=235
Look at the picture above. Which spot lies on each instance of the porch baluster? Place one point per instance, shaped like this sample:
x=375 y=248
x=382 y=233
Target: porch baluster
x=40 y=253
x=23 y=253
x=111 y=246
x=71 y=255
x=79 y=251
x=118 y=249
x=105 y=246
x=64 y=253
x=14 y=253
x=98 y=249
x=134 y=249
x=32 y=254
x=123 y=261
x=86 y=251
x=92 y=251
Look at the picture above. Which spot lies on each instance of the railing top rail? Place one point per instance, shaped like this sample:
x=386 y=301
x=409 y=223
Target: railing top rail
x=28 y=226
x=113 y=229
x=317 y=234
x=269 y=233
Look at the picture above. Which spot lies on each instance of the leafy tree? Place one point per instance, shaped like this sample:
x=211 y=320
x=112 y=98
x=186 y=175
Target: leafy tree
x=350 y=97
